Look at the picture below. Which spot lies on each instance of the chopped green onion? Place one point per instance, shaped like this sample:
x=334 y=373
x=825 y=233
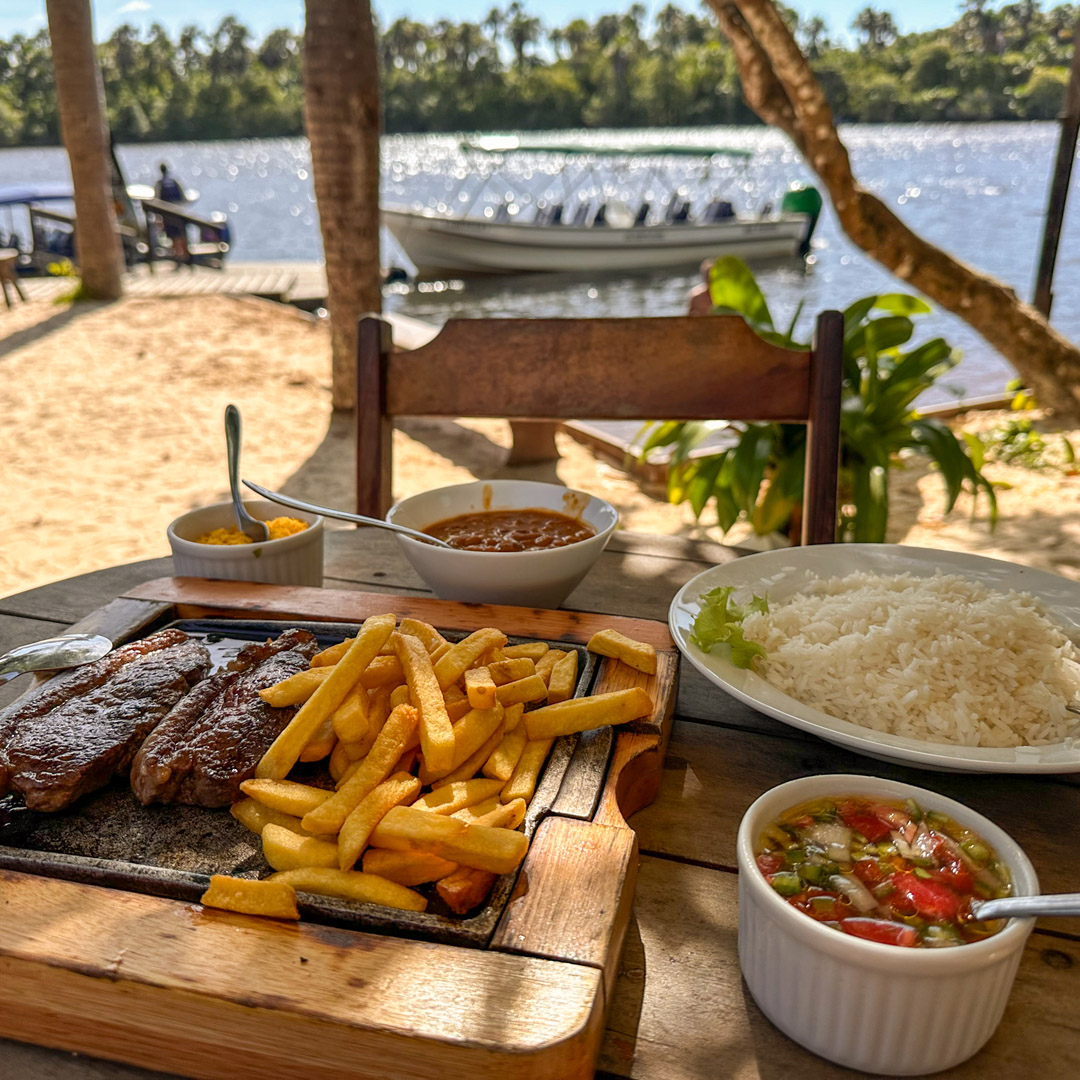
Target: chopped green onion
x=787 y=884
x=975 y=850
x=812 y=873
x=936 y=819
x=920 y=872
x=913 y=809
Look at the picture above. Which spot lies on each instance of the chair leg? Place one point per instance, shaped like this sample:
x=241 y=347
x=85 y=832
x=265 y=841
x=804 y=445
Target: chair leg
x=533 y=441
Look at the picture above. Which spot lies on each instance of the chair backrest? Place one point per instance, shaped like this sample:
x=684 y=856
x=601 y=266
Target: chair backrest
x=684 y=368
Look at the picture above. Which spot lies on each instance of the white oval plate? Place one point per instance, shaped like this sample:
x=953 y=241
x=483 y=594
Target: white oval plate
x=781 y=573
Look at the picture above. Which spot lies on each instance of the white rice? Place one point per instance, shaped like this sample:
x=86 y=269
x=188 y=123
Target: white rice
x=942 y=659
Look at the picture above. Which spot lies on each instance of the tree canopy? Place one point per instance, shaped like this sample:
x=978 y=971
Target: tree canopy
x=512 y=72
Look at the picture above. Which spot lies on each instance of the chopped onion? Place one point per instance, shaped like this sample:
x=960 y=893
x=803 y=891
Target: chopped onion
x=834 y=838
x=858 y=895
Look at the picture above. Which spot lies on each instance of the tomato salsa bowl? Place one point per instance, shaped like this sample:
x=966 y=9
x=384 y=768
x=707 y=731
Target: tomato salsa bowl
x=541 y=576
x=880 y=1008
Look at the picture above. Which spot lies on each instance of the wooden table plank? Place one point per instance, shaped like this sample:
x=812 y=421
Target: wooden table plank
x=682 y=1012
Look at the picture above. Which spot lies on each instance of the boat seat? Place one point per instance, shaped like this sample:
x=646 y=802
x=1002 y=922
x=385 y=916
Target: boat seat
x=601 y=217
x=718 y=210
x=502 y=213
x=642 y=214
x=680 y=214
x=581 y=214
x=555 y=218
x=522 y=368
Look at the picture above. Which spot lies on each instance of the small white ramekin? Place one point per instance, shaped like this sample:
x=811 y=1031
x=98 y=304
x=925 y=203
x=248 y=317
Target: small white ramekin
x=292 y=560
x=878 y=1008
x=540 y=579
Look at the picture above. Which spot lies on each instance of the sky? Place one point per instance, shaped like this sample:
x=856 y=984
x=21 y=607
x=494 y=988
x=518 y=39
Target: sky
x=28 y=16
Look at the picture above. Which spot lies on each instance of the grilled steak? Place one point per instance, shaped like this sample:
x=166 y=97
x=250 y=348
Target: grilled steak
x=83 y=730
x=212 y=740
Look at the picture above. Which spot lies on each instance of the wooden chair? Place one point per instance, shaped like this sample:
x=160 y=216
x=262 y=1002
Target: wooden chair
x=681 y=368
x=9 y=277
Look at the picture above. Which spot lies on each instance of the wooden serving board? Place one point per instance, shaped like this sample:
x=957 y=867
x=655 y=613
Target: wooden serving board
x=172 y=986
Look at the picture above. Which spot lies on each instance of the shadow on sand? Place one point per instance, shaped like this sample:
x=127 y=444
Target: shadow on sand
x=10 y=342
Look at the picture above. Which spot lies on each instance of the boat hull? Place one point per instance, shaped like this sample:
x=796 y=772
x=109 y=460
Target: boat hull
x=443 y=246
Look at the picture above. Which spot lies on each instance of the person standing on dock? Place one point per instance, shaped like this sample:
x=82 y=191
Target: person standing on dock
x=169 y=189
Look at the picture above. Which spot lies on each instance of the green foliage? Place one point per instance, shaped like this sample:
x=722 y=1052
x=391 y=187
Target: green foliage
x=759 y=477
x=512 y=72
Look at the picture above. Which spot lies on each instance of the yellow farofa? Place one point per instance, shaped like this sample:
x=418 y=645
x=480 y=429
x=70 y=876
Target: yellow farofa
x=279 y=527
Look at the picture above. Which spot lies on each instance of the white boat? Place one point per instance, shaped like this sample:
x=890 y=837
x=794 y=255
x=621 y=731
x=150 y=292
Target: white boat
x=594 y=234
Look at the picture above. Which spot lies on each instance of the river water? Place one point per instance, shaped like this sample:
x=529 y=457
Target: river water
x=979 y=191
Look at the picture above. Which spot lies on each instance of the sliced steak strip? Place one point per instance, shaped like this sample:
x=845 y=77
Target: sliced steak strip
x=84 y=741
x=72 y=684
x=212 y=740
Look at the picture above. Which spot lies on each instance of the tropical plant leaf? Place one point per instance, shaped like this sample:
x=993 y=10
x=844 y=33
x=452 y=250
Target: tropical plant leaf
x=856 y=312
x=732 y=288
x=880 y=334
x=901 y=304
x=750 y=459
x=662 y=433
x=921 y=362
x=976 y=450
x=699 y=488
x=871 y=498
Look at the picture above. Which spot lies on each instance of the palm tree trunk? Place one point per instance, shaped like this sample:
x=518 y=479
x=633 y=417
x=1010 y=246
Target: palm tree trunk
x=782 y=89
x=341 y=113
x=81 y=100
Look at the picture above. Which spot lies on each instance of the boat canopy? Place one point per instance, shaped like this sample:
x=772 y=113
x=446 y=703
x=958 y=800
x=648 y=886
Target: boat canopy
x=45 y=191
x=511 y=144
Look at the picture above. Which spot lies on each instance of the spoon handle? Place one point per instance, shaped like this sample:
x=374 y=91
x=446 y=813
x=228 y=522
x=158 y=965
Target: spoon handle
x=232 y=449
x=342 y=515
x=1027 y=906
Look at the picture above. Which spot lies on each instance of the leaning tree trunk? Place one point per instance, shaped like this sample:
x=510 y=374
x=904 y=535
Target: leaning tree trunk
x=341 y=113
x=782 y=89
x=81 y=100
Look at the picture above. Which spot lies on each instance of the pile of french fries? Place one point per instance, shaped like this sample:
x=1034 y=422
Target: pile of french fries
x=435 y=749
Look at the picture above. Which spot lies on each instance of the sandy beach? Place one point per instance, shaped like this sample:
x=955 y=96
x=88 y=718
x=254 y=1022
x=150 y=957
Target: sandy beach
x=113 y=426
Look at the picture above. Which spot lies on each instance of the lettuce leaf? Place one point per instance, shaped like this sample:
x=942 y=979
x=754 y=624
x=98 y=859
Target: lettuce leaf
x=719 y=622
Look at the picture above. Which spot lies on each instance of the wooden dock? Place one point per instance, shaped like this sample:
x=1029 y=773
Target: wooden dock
x=300 y=283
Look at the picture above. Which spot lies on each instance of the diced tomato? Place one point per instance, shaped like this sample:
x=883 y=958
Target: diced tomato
x=769 y=862
x=952 y=871
x=887 y=933
x=931 y=899
x=861 y=820
x=869 y=872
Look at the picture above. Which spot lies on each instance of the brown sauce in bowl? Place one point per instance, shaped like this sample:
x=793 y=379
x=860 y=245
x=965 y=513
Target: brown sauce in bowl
x=511 y=530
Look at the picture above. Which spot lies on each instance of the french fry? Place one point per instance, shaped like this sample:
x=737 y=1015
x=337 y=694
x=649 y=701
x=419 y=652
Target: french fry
x=457 y=703
x=351 y=885
x=406 y=867
x=382 y=671
x=480 y=688
x=428 y=636
x=452 y=797
x=468 y=734
x=506 y=671
x=321 y=743
x=405 y=828
x=470 y=814
x=350 y=719
x=285 y=750
x=330 y=656
x=339 y=762
x=440 y=652
x=505 y=816
x=347 y=775
x=547 y=662
x=254 y=816
x=584 y=714
x=397 y=735
x=638 y=654
x=471 y=765
x=465 y=653
x=532 y=649
x=503 y=760
x=359 y=825
x=563 y=680
x=522 y=784
x=465 y=889
x=491 y=656
x=400 y=695
x=296 y=689
x=285 y=795
x=512 y=715
x=286 y=850
x=436 y=732
x=274 y=899
x=531 y=688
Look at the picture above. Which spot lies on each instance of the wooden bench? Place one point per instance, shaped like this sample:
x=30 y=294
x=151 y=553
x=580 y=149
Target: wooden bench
x=9 y=261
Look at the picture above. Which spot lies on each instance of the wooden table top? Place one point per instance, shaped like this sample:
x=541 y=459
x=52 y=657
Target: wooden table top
x=680 y=1007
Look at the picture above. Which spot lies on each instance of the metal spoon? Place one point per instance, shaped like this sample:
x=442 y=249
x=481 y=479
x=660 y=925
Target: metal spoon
x=341 y=515
x=66 y=651
x=254 y=528
x=1009 y=907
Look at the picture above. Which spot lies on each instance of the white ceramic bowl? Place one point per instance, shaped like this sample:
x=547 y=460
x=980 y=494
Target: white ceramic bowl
x=525 y=578
x=292 y=560
x=878 y=1008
